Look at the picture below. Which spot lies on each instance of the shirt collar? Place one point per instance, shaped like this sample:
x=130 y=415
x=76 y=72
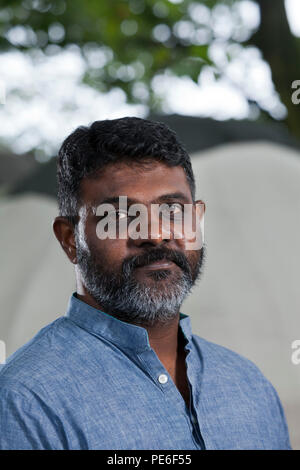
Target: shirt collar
x=124 y=334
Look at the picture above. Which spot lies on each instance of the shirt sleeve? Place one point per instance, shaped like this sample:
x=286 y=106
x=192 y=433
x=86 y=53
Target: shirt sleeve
x=27 y=422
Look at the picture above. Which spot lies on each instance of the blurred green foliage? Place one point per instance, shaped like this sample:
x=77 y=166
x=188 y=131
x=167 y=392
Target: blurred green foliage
x=126 y=43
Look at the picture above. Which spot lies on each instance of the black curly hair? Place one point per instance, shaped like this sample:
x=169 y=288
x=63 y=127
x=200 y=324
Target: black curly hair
x=88 y=149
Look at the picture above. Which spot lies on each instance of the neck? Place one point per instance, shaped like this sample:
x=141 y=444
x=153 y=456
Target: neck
x=164 y=341
x=163 y=337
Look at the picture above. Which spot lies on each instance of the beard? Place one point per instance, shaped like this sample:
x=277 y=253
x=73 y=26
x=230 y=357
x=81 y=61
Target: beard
x=155 y=300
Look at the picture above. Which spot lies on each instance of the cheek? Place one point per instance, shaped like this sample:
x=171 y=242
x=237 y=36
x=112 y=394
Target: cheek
x=112 y=249
x=193 y=229
x=188 y=236
x=193 y=258
x=112 y=252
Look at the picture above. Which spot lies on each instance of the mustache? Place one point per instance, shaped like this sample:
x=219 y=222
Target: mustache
x=157 y=254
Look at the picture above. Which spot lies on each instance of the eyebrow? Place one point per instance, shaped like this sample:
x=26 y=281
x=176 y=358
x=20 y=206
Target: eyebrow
x=164 y=197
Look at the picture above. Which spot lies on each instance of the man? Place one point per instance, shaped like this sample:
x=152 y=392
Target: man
x=122 y=369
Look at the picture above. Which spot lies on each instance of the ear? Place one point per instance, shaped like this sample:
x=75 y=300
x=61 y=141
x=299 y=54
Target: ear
x=64 y=232
x=200 y=210
x=202 y=205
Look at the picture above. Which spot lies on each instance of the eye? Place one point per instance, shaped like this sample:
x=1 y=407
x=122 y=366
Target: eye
x=120 y=214
x=173 y=210
x=114 y=215
x=176 y=208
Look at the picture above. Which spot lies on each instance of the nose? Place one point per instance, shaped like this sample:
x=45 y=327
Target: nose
x=153 y=231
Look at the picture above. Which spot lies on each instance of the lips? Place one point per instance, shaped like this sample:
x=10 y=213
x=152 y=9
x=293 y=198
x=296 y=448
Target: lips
x=161 y=264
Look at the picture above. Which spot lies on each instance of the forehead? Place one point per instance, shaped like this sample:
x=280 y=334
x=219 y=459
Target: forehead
x=141 y=182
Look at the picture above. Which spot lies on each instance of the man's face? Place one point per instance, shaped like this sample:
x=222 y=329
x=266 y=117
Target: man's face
x=142 y=280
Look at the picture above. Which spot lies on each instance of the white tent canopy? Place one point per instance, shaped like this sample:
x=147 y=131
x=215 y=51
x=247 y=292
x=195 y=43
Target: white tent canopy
x=248 y=298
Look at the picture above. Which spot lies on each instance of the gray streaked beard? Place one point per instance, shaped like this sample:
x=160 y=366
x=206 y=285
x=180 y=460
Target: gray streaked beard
x=130 y=300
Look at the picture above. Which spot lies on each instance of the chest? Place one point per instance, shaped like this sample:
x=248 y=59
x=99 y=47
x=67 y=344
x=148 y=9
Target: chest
x=178 y=374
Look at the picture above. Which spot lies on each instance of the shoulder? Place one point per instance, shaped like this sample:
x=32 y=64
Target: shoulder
x=39 y=359
x=237 y=375
x=235 y=370
x=227 y=359
x=231 y=383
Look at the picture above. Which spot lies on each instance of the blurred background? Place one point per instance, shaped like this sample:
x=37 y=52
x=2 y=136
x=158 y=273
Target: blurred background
x=225 y=75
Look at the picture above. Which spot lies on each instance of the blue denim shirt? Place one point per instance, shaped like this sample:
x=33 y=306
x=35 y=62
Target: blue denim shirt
x=91 y=381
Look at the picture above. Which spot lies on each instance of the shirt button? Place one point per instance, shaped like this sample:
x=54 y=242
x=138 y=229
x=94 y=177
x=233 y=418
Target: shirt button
x=163 y=378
